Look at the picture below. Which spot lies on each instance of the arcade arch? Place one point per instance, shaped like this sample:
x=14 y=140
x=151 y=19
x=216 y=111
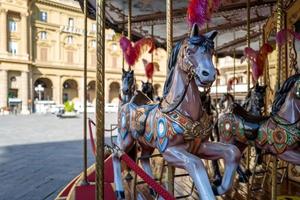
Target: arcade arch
x=43 y=89
x=114 y=90
x=70 y=90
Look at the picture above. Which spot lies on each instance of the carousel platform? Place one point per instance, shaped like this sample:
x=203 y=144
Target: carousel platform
x=183 y=188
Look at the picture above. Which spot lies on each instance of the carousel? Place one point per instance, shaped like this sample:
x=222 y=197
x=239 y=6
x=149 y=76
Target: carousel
x=193 y=142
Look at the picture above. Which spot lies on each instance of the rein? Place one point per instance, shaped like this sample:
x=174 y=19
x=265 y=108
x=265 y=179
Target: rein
x=177 y=101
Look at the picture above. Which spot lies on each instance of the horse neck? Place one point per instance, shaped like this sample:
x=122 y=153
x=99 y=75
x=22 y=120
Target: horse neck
x=253 y=107
x=191 y=104
x=290 y=110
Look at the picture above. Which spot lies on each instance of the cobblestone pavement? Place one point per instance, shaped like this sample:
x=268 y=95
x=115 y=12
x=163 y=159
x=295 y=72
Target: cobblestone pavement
x=40 y=154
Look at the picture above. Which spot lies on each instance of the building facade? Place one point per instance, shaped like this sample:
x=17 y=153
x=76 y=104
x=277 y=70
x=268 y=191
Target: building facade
x=42 y=55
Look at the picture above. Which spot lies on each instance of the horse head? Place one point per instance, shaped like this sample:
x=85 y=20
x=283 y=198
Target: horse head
x=148 y=89
x=258 y=94
x=197 y=57
x=287 y=100
x=128 y=82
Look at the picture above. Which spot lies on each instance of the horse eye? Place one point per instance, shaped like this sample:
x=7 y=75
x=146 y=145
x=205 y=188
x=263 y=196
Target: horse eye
x=298 y=90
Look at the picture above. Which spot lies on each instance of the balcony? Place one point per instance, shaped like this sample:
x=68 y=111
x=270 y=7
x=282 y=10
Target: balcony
x=69 y=29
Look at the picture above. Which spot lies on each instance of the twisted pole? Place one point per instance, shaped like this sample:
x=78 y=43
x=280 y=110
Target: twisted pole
x=169 y=3
x=85 y=181
x=100 y=99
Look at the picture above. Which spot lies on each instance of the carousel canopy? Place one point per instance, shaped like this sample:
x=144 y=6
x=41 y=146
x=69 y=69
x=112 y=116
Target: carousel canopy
x=230 y=21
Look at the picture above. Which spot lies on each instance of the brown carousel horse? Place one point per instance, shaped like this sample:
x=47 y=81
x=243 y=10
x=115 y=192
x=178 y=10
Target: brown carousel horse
x=278 y=134
x=177 y=126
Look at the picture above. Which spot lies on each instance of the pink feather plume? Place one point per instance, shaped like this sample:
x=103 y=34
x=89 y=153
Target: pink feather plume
x=284 y=35
x=133 y=52
x=200 y=11
x=258 y=59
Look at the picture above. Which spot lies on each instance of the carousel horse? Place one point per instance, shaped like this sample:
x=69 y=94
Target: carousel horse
x=278 y=134
x=178 y=127
x=254 y=103
x=225 y=102
x=128 y=85
x=148 y=89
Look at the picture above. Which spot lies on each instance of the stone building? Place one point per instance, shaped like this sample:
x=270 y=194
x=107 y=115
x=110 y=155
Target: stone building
x=41 y=55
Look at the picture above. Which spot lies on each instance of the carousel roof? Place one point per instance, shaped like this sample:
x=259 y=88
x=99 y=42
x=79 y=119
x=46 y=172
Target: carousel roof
x=230 y=21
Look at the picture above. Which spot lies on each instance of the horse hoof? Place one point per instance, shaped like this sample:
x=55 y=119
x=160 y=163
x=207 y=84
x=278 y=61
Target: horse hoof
x=128 y=177
x=215 y=190
x=152 y=192
x=120 y=195
x=217 y=180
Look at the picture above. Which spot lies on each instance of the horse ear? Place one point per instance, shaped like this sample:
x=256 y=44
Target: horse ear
x=211 y=35
x=195 y=31
x=123 y=70
x=143 y=82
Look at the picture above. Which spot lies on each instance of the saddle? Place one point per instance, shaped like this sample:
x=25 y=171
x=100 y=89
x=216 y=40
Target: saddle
x=251 y=122
x=140 y=106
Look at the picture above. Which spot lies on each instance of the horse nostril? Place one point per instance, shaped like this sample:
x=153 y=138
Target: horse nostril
x=205 y=73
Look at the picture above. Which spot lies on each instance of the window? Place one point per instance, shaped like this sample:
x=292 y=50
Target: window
x=71 y=22
x=13 y=46
x=43 y=16
x=12 y=25
x=44 y=54
x=43 y=35
x=94 y=27
x=94 y=44
x=70 y=39
x=70 y=57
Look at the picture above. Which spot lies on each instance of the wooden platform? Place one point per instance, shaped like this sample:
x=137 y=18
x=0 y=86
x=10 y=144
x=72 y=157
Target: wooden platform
x=183 y=187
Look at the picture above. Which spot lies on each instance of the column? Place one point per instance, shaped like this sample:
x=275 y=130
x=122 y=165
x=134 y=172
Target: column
x=24 y=92
x=24 y=36
x=3 y=88
x=57 y=90
x=81 y=90
x=3 y=28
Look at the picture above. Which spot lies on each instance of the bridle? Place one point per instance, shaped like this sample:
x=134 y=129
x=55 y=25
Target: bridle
x=188 y=67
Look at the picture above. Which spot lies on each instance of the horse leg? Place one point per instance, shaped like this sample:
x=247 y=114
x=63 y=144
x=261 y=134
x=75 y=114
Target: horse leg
x=242 y=172
x=291 y=156
x=124 y=145
x=231 y=156
x=179 y=157
x=145 y=162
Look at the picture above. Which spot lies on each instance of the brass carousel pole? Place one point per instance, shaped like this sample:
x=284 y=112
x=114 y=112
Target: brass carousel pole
x=234 y=52
x=85 y=181
x=248 y=86
x=100 y=99
x=152 y=35
x=169 y=11
x=216 y=63
x=279 y=26
x=129 y=18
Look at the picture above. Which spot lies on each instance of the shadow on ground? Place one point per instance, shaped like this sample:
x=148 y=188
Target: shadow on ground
x=39 y=171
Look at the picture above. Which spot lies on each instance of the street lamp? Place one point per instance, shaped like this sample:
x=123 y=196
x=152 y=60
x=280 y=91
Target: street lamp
x=39 y=89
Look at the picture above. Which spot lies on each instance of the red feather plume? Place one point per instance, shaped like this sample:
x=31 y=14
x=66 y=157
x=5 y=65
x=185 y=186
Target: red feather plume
x=133 y=52
x=150 y=67
x=257 y=59
x=199 y=11
x=230 y=83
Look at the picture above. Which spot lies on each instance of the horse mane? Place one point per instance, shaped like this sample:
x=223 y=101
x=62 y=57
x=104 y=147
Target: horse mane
x=228 y=95
x=171 y=66
x=282 y=93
